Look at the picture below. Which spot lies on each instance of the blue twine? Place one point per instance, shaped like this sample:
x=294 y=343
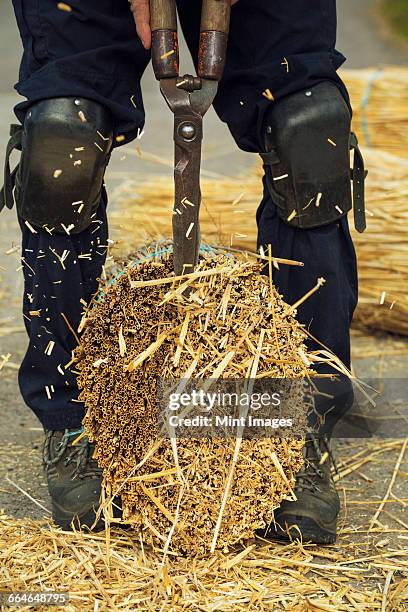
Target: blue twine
x=75 y=433
x=204 y=247
x=364 y=104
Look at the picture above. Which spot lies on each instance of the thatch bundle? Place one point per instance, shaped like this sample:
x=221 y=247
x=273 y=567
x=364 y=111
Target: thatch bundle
x=228 y=217
x=231 y=324
x=380 y=103
x=382 y=250
x=227 y=214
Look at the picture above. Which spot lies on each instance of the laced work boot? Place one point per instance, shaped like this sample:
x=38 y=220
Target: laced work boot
x=314 y=515
x=74 y=479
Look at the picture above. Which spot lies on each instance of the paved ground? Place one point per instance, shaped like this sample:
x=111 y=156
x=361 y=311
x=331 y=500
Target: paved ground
x=361 y=39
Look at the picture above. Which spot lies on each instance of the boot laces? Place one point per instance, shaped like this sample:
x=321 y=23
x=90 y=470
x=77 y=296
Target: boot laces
x=311 y=473
x=80 y=454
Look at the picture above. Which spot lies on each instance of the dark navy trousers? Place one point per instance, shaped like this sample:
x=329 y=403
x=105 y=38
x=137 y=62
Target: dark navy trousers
x=93 y=52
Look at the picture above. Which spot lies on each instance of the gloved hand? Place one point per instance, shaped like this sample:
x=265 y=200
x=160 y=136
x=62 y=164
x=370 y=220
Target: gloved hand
x=141 y=13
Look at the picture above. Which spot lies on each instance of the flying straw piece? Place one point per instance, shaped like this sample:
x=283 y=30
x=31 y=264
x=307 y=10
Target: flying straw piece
x=188 y=232
x=49 y=348
x=105 y=138
x=268 y=95
x=30 y=227
x=62 y=6
x=167 y=54
x=286 y=64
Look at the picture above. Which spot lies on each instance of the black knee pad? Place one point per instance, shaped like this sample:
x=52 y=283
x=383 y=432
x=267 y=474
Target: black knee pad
x=66 y=143
x=307 y=140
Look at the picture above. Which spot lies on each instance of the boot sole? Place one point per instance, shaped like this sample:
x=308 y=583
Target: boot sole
x=65 y=519
x=308 y=527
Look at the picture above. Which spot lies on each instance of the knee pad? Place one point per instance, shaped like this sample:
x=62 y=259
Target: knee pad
x=66 y=144
x=307 y=140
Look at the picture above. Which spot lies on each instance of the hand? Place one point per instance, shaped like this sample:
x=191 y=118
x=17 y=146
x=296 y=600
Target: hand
x=141 y=13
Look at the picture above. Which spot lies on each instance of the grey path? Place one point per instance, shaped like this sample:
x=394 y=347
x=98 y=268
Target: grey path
x=363 y=38
x=360 y=39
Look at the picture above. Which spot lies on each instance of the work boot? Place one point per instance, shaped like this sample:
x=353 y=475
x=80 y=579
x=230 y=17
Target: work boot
x=314 y=515
x=74 y=479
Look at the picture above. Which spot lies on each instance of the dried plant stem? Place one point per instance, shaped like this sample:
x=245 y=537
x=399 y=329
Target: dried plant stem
x=391 y=484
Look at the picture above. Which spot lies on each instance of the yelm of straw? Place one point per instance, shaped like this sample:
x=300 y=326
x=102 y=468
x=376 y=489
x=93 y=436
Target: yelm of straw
x=223 y=321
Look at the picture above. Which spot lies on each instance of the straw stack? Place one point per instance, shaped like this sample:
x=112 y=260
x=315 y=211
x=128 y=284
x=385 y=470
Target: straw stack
x=196 y=493
x=228 y=217
x=227 y=214
x=380 y=99
x=382 y=250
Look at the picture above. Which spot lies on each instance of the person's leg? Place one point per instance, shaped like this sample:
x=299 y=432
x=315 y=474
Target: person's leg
x=278 y=46
x=61 y=275
x=91 y=53
x=80 y=75
x=286 y=47
x=327 y=252
x=277 y=50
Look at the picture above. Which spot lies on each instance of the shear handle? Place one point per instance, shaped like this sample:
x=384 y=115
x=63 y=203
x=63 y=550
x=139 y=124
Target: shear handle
x=165 y=48
x=215 y=21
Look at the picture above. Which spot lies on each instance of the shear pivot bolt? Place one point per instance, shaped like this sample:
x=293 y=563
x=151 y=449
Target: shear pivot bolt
x=188 y=131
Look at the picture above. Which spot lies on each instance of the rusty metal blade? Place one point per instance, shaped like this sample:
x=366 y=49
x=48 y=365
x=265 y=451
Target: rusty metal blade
x=187 y=197
x=189 y=108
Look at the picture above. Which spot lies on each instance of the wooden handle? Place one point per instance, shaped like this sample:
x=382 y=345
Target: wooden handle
x=215 y=16
x=165 y=50
x=215 y=20
x=163 y=15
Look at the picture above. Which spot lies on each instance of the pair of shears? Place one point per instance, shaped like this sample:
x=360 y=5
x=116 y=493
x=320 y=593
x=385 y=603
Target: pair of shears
x=189 y=98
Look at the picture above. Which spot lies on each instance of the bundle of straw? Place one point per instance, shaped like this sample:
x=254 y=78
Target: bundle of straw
x=228 y=217
x=223 y=321
x=382 y=250
x=227 y=214
x=379 y=97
